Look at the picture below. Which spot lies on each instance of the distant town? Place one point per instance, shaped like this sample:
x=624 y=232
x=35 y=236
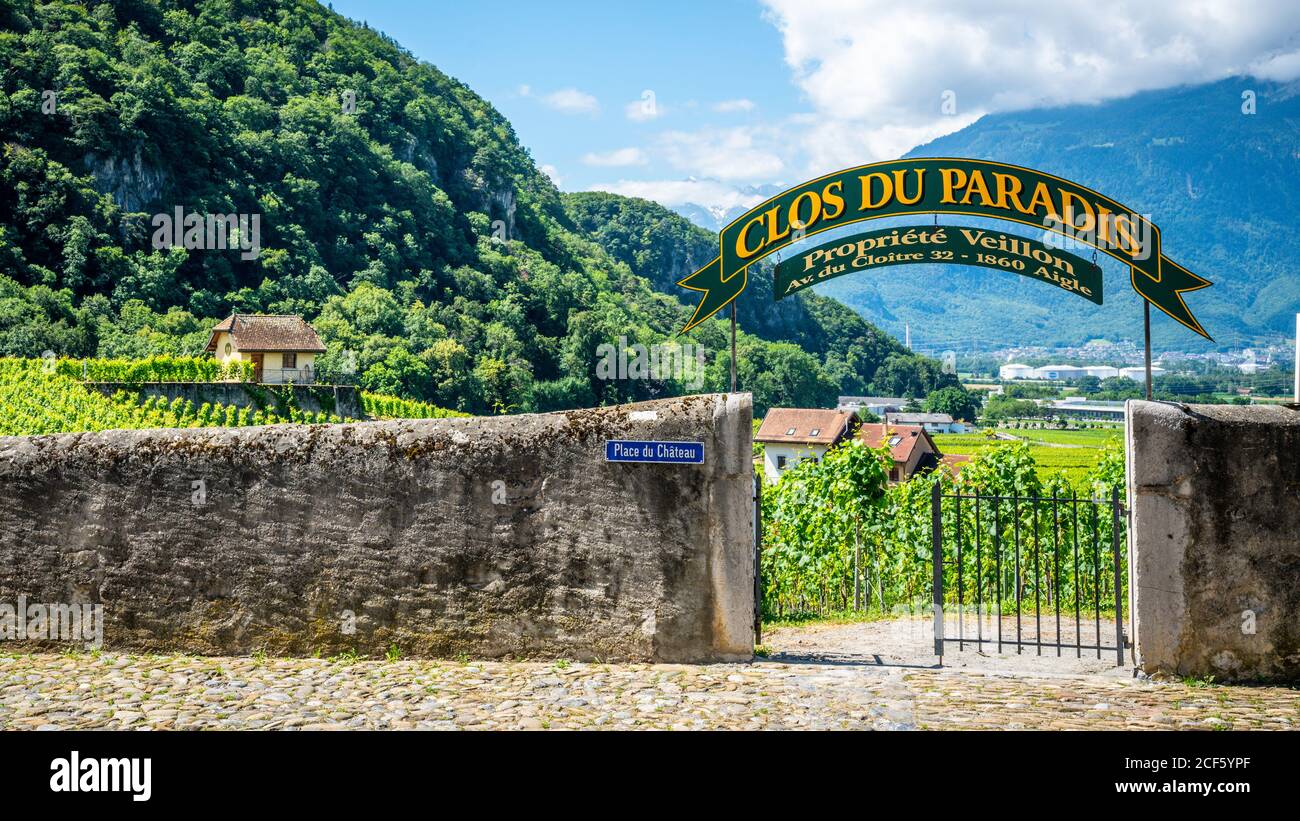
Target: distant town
x=1249 y=360
x=1067 y=404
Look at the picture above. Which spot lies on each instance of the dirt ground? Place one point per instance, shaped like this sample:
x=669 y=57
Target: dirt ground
x=909 y=643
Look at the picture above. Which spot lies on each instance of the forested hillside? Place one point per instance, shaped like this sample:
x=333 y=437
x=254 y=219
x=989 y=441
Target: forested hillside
x=412 y=229
x=664 y=247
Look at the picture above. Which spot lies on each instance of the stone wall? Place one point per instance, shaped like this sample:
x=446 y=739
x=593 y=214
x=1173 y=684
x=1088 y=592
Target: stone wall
x=1215 y=539
x=484 y=536
x=341 y=400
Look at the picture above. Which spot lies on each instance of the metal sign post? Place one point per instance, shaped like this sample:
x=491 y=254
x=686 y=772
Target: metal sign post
x=1146 y=333
x=733 y=346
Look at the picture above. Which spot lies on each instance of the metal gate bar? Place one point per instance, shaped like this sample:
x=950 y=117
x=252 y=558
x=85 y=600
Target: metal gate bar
x=1068 y=546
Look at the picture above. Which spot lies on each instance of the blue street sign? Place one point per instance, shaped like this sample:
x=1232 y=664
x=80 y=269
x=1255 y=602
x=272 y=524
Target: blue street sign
x=678 y=453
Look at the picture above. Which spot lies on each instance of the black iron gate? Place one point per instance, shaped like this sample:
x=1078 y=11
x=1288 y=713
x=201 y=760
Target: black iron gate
x=1009 y=562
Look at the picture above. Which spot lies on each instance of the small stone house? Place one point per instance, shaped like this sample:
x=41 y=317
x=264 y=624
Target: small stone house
x=282 y=348
x=791 y=435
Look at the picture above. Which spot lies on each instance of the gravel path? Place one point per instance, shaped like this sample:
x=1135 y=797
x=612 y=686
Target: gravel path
x=796 y=689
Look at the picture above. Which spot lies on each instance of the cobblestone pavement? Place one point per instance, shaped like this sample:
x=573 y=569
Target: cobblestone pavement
x=50 y=691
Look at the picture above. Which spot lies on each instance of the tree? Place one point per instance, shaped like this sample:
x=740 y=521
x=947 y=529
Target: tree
x=957 y=402
x=1088 y=385
x=907 y=374
x=999 y=408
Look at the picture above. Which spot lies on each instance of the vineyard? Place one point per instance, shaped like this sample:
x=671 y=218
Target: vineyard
x=835 y=533
x=1072 y=453
x=39 y=396
x=155 y=369
x=378 y=406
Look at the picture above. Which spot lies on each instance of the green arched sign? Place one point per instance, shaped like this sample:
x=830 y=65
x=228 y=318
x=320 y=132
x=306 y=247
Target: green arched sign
x=946 y=186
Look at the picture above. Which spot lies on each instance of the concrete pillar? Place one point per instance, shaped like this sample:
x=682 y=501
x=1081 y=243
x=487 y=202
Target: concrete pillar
x=1214 y=495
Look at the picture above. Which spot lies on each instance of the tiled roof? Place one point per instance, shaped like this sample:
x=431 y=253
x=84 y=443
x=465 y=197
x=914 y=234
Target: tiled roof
x=261 y=332
x=919 y=418
x=873 y=400
x=902 y=439
x=779 y=422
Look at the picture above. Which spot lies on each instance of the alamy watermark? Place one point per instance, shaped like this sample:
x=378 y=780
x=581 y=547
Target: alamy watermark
x=1129 y=234
x=52 y=622
x=667 y=360
x=208 y=232
x=127 y=775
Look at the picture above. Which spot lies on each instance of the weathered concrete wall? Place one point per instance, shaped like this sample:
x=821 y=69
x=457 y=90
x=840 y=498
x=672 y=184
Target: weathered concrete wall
x=1215 y=539
x=487 y=536
x=341 y=400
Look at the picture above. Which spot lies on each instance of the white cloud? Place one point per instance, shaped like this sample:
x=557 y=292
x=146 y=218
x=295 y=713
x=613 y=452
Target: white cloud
x=645 y=108
x=1280 y=67
x=617 y=157
x=672 y=193
x=571 y=101
x=874 y=75
x=729 y=106
x=725 y=154
x=876 y=72
x=552 y=172
x=828 y=144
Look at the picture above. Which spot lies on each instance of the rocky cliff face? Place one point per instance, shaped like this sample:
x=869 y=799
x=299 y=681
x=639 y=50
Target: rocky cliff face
x=487 y=536
x=133 y=183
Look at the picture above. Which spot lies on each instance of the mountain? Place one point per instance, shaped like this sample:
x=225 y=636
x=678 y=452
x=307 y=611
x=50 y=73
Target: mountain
x=716 y=217
x=1221 y=185
x=389 y=204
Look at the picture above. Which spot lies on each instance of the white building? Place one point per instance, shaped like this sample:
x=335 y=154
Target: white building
x=932 y=422
x=1059 y=373
x=879 y=405
x=1055 y=372
x=1101 y=371
x=791 y=435
x=1014 y=370
x=1139 y=373
x=1089 y=409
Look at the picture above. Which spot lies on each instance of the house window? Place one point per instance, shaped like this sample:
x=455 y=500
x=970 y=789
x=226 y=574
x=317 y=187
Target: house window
x=893 y=474
x=790 y=432
x=290 y=360
x=814 y=431
x=780 y=463
x=895 y=440
x=228 y=349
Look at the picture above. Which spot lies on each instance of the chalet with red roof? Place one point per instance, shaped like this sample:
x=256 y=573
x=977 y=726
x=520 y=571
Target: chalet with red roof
x=791 y=435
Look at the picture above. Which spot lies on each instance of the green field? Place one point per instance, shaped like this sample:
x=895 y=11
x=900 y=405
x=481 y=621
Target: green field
x=1073 y=452
x=1091 y=437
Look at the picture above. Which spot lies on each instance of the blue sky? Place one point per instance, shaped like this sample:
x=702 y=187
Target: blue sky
x=708 y=64
x=762 y=92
